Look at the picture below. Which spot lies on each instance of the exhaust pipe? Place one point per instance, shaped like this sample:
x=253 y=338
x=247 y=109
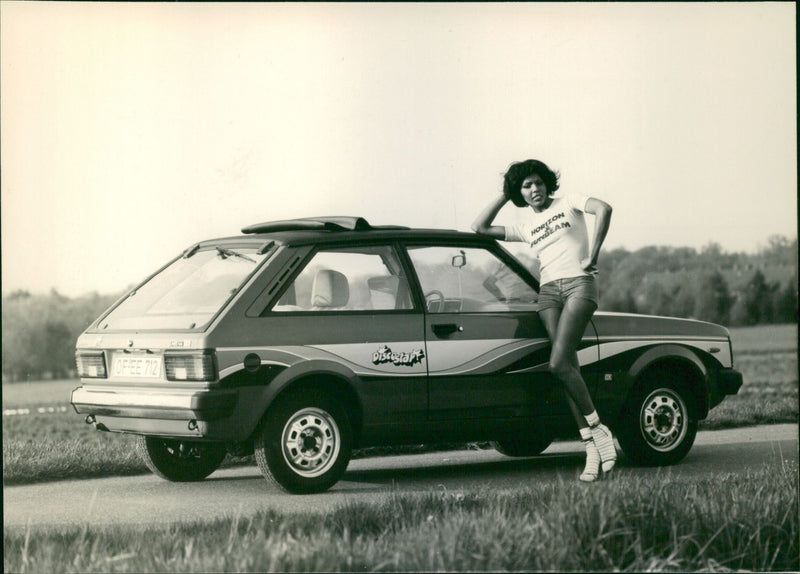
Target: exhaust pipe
x=89 y=420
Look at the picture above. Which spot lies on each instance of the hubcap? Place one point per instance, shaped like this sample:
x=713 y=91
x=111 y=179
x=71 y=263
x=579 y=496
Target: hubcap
x=664 y=419
x=310 y=442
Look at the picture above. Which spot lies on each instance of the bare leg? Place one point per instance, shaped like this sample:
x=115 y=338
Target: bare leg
x=565 y=328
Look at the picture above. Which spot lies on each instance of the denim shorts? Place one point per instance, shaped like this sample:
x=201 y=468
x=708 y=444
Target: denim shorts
x=555 y=294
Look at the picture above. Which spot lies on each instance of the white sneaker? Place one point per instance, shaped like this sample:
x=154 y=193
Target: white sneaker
x=604 y=441
x=591 y=471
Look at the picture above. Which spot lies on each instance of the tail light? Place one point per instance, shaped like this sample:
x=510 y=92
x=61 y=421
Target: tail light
x=198 y=366
x=91 y=365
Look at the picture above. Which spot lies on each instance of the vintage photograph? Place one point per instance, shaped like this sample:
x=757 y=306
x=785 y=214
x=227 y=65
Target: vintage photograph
x=316 y=287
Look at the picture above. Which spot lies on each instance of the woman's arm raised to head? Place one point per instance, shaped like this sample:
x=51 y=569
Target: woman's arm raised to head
x=483 y=223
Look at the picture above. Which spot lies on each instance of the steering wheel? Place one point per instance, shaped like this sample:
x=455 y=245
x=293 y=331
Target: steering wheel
x=434 y=293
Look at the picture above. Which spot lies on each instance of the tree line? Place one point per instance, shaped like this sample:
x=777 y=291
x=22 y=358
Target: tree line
x=39 y=332
x=732 y=289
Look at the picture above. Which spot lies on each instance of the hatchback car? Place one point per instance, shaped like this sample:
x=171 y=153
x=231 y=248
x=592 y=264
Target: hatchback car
x=301 y=340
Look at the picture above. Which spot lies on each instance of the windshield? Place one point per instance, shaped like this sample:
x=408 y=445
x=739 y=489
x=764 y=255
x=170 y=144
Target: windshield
x=188 y=292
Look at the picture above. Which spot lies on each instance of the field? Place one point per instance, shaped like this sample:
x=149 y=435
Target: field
x=767 y=357
x=764 y=339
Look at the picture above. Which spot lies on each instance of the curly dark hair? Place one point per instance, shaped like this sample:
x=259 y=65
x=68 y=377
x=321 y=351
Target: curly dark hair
x=516 y=174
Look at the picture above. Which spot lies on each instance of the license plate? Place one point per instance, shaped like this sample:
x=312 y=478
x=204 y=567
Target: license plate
x=146 y=366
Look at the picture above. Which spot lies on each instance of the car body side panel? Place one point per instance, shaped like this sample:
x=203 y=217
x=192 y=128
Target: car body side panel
x=381 y=356
x=493 y=369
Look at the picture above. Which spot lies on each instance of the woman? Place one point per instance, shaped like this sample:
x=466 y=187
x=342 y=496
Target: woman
x=556 y=231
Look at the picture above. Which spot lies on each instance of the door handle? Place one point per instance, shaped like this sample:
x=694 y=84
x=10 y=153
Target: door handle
x=445 y=329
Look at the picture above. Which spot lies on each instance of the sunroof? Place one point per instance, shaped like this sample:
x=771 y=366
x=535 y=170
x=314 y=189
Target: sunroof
x=335 y=223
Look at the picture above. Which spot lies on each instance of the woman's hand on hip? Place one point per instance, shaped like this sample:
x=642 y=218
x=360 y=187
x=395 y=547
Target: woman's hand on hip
x=589 y=265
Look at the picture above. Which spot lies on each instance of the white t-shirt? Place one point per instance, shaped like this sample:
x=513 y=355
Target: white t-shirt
x=558 y=237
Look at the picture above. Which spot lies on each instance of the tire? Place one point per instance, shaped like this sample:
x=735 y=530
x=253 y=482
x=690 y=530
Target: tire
x=304 y=442
x=523 y=447
x=180 y=460
x=658 y=424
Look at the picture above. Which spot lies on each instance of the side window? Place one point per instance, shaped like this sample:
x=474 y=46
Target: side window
x=469 y=280
x=353 y=279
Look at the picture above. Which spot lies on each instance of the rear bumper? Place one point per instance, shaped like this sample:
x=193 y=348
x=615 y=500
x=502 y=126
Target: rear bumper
x=198 y=405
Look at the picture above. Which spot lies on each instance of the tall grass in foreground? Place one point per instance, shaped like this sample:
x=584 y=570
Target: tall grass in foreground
x=629 y=523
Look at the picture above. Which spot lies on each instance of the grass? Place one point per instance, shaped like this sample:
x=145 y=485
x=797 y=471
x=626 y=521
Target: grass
x=767 y=357
x=769 y=394
x=60 y=446
x=47 y=447
x=56 y=446
x=746 y=521
x=764 y=338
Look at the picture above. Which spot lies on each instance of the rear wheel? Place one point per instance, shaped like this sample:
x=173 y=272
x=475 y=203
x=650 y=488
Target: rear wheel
x=528 y=446
x=304 y=442
x=180 y=460
x=658 y=425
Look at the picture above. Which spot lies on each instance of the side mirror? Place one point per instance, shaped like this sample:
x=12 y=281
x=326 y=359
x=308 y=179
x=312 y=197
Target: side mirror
x=459 y=261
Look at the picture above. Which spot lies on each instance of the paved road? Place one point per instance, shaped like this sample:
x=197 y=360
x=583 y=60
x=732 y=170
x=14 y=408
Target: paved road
x=149 y=500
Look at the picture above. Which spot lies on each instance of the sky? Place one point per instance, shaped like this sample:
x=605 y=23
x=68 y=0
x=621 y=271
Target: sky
x=130 y=131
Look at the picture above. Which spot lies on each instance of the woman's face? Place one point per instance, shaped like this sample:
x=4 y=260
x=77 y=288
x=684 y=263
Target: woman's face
x=534 y=192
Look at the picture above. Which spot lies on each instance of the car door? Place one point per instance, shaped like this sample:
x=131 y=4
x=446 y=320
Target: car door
x=487 y=349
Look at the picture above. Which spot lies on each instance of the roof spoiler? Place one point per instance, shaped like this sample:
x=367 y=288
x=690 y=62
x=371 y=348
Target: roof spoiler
x=340 y=223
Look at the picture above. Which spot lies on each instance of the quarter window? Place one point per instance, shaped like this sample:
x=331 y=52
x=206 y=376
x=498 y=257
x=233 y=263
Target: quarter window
x=468 y=279
x=355 y=279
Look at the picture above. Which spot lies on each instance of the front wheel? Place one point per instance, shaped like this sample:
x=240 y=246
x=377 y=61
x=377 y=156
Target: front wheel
x=180 y=460
x=658 y=426
x=304 y=443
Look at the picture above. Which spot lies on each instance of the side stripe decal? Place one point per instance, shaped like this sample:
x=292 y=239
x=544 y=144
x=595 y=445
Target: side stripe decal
x=612 y=347
x=494 y=358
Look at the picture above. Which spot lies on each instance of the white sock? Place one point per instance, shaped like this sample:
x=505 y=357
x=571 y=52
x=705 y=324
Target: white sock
x=591 y=471
x=592 y=419
x=604 y=441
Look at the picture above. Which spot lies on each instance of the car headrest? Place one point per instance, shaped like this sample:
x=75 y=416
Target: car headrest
x=330 y=289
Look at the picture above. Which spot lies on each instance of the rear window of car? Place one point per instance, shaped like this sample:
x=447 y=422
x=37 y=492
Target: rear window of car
x=188 y=292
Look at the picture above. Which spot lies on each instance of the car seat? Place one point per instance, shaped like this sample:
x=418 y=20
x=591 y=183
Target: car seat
x=383 y=291
x=329 y=291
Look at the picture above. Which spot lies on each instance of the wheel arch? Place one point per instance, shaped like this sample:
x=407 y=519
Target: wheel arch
x=323 y=376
